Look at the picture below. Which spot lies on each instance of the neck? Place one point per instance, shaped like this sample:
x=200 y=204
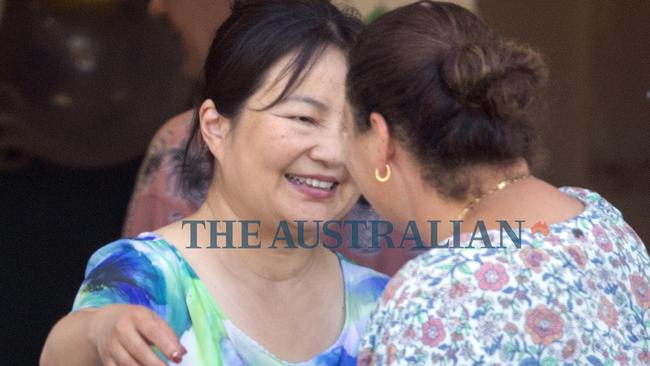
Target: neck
x=445 y=210
x=261 y=261
x=271 y=265
x=492 y=183
x=435 y=208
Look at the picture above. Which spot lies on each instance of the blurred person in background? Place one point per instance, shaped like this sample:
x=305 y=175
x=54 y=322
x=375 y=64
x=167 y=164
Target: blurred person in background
x=161 y=197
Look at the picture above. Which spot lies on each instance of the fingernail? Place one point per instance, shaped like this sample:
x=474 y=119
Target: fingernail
x=176 y=357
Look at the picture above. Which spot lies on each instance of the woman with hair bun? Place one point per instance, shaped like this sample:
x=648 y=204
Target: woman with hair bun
x=441 y=141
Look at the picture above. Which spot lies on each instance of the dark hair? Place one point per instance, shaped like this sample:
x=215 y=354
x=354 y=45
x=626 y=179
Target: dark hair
x=257 y=34
x=452 y=91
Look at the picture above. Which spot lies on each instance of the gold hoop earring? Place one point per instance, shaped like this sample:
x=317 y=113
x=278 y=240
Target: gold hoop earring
x=384 y=178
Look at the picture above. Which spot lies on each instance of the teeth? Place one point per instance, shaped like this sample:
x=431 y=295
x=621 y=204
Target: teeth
x=312 y=182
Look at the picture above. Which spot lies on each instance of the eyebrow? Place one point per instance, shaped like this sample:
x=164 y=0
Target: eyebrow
x=305 y=99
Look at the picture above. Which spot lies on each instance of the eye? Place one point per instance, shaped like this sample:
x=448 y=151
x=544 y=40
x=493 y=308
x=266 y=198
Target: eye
x=304 y=119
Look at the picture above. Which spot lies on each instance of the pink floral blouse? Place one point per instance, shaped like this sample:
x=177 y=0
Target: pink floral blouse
x=576 y=294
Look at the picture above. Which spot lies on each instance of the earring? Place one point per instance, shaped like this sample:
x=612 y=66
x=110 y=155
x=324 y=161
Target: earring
x=384 y=178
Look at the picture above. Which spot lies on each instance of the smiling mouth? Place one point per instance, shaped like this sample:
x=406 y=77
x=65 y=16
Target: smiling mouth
x=311 y=182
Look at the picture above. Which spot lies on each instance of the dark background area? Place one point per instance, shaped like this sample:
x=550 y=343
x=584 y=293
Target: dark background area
x=53 y=219
x=84 y=85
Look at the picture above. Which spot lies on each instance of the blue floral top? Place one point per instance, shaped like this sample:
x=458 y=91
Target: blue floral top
x=576 y=293
x=150 y=272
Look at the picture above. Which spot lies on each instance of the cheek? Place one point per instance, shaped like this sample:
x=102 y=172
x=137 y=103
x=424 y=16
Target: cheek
x=272 y=149
x=354 y=159
x=350 y=195
x=356 y=168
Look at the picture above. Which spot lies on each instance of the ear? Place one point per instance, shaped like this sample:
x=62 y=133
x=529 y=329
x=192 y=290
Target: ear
x=384 y=143
x=214 y=128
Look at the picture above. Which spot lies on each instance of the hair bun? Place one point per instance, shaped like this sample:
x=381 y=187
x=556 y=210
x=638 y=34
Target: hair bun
x=500 y=78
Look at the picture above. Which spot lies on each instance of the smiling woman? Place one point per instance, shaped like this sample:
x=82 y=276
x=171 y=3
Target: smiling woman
x=286 y=136
x=268 y=123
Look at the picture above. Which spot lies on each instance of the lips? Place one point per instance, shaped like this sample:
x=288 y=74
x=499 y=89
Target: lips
x=324 y=183
x=316 y=188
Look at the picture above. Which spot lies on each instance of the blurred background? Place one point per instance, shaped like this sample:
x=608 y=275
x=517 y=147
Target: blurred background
x=84 y=85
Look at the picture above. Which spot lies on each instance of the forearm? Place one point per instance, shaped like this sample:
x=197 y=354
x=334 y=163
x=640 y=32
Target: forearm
x=69 y=342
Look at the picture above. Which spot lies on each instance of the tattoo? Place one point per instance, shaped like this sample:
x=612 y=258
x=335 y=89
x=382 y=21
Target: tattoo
x=190 y=174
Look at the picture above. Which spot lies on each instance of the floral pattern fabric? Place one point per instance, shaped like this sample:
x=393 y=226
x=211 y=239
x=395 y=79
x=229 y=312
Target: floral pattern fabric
x=579 y=295
x=150 y=272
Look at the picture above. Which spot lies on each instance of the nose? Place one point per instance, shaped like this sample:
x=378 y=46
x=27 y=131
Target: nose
x=328 y=147
x=157 y=7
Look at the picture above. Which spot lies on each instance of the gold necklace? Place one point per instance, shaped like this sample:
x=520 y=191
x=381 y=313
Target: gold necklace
x=501 y=185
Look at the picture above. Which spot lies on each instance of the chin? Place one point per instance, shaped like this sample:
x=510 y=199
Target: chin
x=312 y=214
x=312 y=217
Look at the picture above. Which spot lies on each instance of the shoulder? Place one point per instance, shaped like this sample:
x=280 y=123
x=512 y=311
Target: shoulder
x=170 y=136
x=362 y=280
x=363 y=286
x=442 y=281
x=434 y=298
x=422 y=274
x=176 y=129
x=144 y=271
x=132 y=254
x=160 y=195
x=132 y=271
x=603 y=224
x=596 y=206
